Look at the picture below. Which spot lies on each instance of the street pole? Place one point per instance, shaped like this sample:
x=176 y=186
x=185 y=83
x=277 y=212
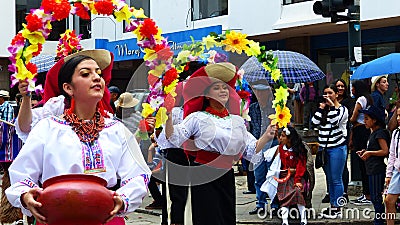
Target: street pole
x=354 y=36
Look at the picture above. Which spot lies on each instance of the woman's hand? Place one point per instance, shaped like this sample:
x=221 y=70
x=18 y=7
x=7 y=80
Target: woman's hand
x=28 y=200
x=271 y=131
x=299 y=185
x=23 y=88
x=387 y=181
x=365 y=155
x=151 y=121
x=118 y=205
x=328 y=101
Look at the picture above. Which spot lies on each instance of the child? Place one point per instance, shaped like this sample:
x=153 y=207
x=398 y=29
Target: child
x=393 y=175
x=374 y=155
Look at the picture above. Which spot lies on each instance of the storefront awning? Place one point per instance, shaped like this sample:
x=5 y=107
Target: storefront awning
x=43 y=62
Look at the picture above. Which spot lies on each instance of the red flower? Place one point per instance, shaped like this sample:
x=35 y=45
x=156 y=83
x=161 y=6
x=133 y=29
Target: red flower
x=34 y=22
x=148 y=28
x=104 y=7
x=31 y=67
x=38 y=51
x=144 y=126
x=18 y=39
x=81 y=11
x=169 y=77
x=243 y=94
x=163 y=52
x=59 y=8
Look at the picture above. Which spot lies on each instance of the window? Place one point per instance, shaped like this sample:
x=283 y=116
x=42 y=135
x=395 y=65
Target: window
x=137 y=4
x=23 y=8
x=288 y=2
x=203 y=9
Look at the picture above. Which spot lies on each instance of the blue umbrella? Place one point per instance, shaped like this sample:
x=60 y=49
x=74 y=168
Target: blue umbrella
x=295 y=68
x=387 y=64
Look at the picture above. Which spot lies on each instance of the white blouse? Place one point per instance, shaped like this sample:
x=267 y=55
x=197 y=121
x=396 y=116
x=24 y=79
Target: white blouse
x=227 y=136
x=53 y=149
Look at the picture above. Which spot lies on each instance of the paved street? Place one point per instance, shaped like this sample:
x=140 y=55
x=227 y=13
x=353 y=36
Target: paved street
x=244 y=203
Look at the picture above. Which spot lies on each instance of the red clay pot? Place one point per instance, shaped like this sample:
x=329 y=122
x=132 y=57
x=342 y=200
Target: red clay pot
x=76 y=199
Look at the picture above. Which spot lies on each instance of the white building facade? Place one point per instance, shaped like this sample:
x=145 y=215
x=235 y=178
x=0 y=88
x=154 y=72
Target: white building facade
x=278 y=24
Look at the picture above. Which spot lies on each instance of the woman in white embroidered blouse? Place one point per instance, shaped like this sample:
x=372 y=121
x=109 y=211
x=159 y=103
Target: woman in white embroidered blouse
x=219 y=136
x=80 y=141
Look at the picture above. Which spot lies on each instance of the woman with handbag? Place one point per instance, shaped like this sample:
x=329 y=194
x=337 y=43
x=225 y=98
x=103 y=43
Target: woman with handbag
x=331 y=117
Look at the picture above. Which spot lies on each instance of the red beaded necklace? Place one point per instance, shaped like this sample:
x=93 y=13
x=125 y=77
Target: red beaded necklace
x=87 y=131
x=215 y=112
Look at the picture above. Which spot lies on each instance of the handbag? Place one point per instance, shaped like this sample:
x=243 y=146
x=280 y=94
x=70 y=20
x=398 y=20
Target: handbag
x=320 y=159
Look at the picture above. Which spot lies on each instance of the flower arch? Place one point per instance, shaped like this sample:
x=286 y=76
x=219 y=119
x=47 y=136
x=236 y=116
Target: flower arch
x=164 y=67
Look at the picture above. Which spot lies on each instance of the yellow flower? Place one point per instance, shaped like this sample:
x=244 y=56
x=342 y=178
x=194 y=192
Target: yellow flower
x=34 y=38
x=281 y=94
x=171 y=88
x=183 y=56
x=281 y=117
x=147 y=110
x=29 y=51
x=276 y=74
x=150 y=54
x=254 y=48
x=266 y=67
x=158 y=70
x=139 y=13
x=137 y=33
x=23 y=72
x=161 y=117
x=123 y=14
x=235 y=42
x=209 y=42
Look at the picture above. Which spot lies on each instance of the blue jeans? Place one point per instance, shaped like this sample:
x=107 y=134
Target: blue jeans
x=333 y=171
x=376 y=184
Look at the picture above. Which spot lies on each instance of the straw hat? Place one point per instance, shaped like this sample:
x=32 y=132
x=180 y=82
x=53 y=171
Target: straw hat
x=126 y=100
x=375 y=79
x=101 y=56
x=4 y=94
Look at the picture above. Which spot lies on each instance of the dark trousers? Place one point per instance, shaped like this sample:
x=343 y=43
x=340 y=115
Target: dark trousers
x=158 y=197
x=360 y=139
x=178 y=180
x=249 y=175
x=376 y=185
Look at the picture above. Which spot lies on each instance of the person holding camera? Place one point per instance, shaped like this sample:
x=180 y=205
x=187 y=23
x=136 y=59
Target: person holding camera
x=331 y=118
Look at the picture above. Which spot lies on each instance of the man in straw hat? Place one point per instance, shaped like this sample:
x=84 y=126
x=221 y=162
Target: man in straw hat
x=6 y=109
x=126 y=111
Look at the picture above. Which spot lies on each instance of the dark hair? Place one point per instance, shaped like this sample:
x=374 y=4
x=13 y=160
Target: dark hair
x=361 y=89
x=345 y=94
x=67 y=70
x=296 y=142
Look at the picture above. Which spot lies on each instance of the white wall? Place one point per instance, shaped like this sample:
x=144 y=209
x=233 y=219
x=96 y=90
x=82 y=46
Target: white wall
x=7 y=26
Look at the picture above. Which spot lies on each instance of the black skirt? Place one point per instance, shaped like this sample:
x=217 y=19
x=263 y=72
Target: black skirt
x=213 y=203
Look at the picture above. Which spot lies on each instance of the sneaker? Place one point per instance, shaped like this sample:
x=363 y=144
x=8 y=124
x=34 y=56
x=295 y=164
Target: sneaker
x=326 y=199
x=363 y=201
x=257 y=211
x=315 y=128
x=331 y=213
x=154 y=205
x=305 y=129
x=358 y=199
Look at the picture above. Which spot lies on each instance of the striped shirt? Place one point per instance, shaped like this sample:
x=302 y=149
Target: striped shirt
x=331 y=134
